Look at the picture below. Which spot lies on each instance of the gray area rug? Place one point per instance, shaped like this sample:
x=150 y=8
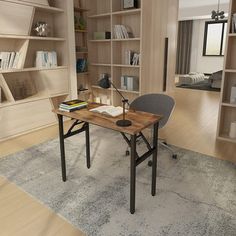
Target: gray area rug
x=196 y=194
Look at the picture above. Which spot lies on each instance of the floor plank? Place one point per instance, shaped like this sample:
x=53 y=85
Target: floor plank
x=193 y=124
x=21 y=214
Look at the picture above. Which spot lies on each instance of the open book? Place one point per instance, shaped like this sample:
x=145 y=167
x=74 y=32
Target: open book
x=109 y=110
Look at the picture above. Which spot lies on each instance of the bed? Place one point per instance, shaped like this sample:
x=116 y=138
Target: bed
x=200 y=81
x=191 y=78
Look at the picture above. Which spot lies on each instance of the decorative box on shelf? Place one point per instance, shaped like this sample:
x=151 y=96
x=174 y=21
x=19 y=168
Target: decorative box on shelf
x=102 y=35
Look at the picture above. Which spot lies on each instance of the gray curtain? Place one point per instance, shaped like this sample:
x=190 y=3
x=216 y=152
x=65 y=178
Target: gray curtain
x=184 y=45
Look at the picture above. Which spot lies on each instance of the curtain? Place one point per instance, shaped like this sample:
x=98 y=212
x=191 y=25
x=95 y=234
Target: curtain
x=184 y=45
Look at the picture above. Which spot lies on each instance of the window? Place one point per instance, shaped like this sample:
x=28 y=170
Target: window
x=214 y=38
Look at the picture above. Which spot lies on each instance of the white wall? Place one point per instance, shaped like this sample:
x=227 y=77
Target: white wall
x=201 y=63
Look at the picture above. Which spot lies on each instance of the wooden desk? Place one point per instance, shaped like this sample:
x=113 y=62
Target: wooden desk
x=140 y=121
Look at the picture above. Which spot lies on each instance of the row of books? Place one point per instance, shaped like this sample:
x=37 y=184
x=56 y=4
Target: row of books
x=130 y=83
x=132 y=58
x=122 y=32
x=9 y=60
x=72 y=105
x=45 y=59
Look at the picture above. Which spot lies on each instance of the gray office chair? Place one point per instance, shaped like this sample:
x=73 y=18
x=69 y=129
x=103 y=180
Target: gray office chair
x=159 y=104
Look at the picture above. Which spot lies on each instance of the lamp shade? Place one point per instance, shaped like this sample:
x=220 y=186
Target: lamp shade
x=104 y=83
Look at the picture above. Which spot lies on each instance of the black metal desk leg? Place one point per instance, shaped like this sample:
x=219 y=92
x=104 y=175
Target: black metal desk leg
x=154 y=158
x=87 y=145
x=62 y=147
x=132 y=173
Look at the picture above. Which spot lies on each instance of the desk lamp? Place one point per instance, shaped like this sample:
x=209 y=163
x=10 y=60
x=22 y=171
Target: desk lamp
x=105 y=83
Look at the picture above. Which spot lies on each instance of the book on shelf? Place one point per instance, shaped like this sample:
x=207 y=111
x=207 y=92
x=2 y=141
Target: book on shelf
x=81 y=65
x=122 y=32
x=233 y=23
x=108 y=110
x=72 y=105
x=46 y=59
x=233 y=94
x=132 y=58
x=9 y=60
x=130 y=83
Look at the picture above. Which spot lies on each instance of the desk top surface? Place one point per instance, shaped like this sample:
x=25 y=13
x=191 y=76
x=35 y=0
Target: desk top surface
x=140 y=120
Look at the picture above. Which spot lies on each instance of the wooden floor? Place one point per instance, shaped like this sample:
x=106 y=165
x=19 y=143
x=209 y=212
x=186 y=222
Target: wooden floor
x=192 y=126
x=22 y=215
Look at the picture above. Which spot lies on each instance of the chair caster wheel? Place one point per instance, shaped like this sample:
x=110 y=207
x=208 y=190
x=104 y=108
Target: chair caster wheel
x=127 y=153
x=174 y=156
x=150 y=163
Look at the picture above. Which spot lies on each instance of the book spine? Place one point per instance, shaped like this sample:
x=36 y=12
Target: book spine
x=13 y=54
x=54 y=58
x=15 y=62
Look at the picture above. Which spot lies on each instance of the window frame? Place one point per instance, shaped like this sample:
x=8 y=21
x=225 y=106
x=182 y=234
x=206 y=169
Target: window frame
x=207 y=23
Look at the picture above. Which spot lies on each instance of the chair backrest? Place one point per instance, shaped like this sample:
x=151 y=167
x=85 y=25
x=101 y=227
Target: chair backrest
x=158 y=104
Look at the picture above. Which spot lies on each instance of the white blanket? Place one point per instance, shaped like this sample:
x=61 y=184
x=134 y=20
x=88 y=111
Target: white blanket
x=191 y=78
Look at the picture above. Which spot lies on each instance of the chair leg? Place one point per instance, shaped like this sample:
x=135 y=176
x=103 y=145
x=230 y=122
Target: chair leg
x=165 y=145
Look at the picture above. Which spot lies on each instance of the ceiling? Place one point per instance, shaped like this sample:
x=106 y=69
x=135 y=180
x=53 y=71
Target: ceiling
x=199 y=3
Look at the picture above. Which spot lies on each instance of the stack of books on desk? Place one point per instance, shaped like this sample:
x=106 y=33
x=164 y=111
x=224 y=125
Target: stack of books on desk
x=72 y=105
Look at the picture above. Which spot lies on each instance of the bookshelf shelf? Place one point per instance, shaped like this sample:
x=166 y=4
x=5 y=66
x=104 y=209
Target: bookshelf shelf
x=32 y=69
x=127 y=91
x=124 y=40
x=44 y=8
x=54 y=10
x=82 y=73
x=112 y=89
x=100 y=40
x=38 y=97
x=81 y=31
x=127 y=12
x=104 y=15
x=230 y=70
x=97 y=87
x=227 y=104
x=81 y=53
x=126 y=66
x=4 y=36
x=225 y=137
x=100 y=64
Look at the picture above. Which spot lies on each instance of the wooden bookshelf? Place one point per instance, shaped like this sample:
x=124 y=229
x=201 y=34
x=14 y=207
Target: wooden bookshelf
x=227 y=111
x=108 y=55
x=27 y=91
x=81 y=40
